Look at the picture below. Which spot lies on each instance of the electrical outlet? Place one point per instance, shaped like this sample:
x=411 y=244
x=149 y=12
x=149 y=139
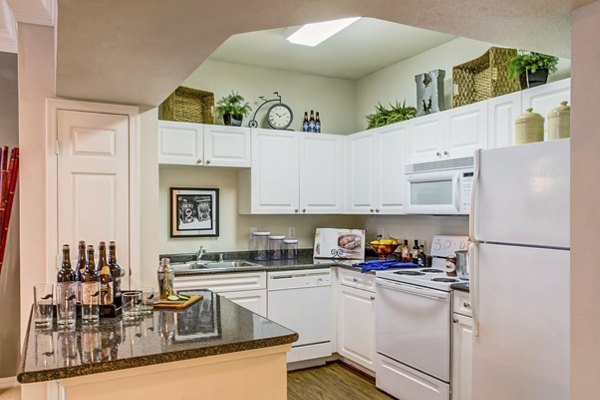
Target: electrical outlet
x=252 y=229
x=381 y=232
x=292 y=232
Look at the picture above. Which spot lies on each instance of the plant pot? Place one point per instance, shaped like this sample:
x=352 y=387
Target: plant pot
x=233 y=119
x=532 y=79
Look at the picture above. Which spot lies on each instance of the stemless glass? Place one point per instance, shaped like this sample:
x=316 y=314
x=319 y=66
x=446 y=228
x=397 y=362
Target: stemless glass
x=66 y=294
x=43 y=295
x=90 y=302
x=130 y=305
x=148 y=297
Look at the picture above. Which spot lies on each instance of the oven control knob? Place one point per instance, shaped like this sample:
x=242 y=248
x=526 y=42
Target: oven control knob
x=447 y=244
x=463 y=245
x=319 y=281
x=437 y=245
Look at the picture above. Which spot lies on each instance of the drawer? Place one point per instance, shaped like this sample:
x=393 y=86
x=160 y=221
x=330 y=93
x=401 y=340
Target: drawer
x=356 y=279
x=462 y=303
x=222 y=282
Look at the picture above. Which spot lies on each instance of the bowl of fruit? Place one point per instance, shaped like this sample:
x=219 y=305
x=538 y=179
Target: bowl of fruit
x=384 y=247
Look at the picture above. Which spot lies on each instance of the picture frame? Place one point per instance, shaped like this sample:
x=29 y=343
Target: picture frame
x=194 y=212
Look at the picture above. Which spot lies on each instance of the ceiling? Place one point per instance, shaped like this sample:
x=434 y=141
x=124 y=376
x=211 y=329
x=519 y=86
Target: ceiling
x=364 y=47
x=139 y=51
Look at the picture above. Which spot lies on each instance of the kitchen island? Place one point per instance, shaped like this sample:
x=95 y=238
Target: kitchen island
x=214 y=348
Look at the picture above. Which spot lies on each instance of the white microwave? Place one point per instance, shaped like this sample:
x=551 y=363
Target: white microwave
x=440 y=187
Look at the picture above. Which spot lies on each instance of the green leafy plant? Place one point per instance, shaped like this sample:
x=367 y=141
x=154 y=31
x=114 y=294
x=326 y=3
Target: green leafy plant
x=233 y=104
x=530 y=61
x=384 y=116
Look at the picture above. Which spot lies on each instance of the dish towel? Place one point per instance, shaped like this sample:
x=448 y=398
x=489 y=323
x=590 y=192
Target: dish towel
x=378 y=265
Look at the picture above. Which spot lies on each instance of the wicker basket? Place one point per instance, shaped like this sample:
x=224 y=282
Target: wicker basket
x=484 y=77
x=188 y=105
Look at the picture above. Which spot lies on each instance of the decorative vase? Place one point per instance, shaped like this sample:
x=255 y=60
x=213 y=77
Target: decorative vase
x=533 y=79
x=430 y=92
x=233 y=119
x=559 y=122
x=529 y=127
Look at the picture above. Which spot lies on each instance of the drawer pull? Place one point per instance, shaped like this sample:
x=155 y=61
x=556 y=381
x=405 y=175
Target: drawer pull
x=372 y=297
x=455 y=320
x=466 y=304
x=355 y=280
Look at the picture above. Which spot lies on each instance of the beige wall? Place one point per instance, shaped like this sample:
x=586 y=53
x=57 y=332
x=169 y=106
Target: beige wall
x=585 y=205
x=397 y=82
x=333 y=98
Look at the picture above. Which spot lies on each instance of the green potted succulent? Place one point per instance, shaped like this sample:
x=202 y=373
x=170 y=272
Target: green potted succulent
x=531 y=68
x=384 y=116
x=233 y=109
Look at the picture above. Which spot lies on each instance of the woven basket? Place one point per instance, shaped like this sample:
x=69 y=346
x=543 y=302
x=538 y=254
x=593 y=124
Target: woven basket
x=484 y=77
x=188 y=105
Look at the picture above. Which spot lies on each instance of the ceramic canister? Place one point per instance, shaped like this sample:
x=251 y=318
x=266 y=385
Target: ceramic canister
x=529 y=127
x=559 y=122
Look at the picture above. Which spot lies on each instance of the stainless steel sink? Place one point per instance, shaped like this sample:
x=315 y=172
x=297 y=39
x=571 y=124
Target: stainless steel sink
x=221 y=265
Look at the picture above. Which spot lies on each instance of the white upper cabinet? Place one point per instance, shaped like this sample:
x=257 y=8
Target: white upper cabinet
x=207 y=145
x=545 y=98
x=321 y=172
x=502 y=113
x=426 y=140
x=360 y=173
x=467 y=130
x=391 y=181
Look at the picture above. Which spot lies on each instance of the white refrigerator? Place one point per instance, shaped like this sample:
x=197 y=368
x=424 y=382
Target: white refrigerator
x=520 y=268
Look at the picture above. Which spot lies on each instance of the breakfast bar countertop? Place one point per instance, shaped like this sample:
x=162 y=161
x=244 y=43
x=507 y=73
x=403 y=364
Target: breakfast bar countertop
x=210 y=327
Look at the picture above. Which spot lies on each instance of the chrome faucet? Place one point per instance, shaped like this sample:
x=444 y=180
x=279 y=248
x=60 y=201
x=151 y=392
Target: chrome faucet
x=201 y=252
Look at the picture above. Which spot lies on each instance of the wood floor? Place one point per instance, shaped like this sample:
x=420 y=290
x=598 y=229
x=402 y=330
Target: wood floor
x=335 y=381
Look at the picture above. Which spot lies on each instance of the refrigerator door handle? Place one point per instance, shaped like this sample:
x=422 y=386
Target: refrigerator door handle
x=474 y=187
x=474 y=285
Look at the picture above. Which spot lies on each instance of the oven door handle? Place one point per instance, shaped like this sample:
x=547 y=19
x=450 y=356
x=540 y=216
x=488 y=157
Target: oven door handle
x=423 y=292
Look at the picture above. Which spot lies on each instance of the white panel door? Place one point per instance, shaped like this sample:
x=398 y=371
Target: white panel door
x=274 y=173
x=391 y=180
x=359 y=173
x=226 y=146
x=180 y=143
x=93 y=179
x=462 y=353
x=502 y=113
x=545 y=98
x=356 y=326
x=467 y=130
x=427 y=137
x=321 y=173
x=253 y=300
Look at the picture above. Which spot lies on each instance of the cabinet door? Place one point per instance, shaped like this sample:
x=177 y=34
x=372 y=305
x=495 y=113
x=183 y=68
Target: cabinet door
x=274 y=173
x=502 y=113
x=180 y=143
x=226 y=146
x=356 y=326
x=253 y=300
x=359 y=173
x=426 y=137
x=321 y=173
x=462 y=351
x=545 y=98
x=391 y=180
x=467 y=130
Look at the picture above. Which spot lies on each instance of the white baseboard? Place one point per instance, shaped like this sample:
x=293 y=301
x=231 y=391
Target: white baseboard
x=7 y=383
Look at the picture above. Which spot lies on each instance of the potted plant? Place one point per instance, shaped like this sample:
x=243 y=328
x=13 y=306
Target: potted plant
x=532 y=68
x=384 y=116
x=233 y=109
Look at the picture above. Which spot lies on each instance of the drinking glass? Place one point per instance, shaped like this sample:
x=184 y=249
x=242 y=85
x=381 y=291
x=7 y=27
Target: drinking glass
x=130 y=305
x=66 y=294
x=148 y=297
x=43 y=295
x=90 y=302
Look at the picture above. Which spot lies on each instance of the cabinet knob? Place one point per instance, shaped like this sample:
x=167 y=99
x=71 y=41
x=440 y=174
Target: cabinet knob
x=377 y=210
x=296 y=210
x=304 y=210
x=455 y=320
x=355 y=280
x=207 y=162
x=372 y=297
x=446 y=153
x=372 y=210
x=438 y=154
x=466 y=305
x=199 y=161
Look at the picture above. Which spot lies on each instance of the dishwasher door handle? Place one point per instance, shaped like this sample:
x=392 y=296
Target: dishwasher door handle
x=399 y=287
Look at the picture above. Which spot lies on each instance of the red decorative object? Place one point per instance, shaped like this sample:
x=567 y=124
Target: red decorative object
x=8 y=183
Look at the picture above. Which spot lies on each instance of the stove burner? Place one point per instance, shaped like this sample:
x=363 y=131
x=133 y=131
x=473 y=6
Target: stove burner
x=411 y=273
x=434 y=270
x=444 y=280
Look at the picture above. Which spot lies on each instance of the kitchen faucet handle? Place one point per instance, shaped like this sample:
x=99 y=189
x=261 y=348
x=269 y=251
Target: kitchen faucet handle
x=220 y=257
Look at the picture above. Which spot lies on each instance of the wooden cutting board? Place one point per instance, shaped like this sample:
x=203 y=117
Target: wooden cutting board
x=177 y=305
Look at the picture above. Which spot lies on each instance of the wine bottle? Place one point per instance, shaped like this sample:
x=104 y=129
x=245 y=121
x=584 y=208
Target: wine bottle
x=311 y=122
x=305 y=122
x=88 y=275
x=318 y=123
x=422 y=256
x=115 y=269
x=405 y=252
x=415 y=252
x=106 y=280
x=66 y=273
x=81 y=262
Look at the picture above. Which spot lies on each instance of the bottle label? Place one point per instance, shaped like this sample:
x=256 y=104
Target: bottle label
x=106 y=293
x=87 y=294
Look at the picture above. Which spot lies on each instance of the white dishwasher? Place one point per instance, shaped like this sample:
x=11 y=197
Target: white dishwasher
x=301 y=301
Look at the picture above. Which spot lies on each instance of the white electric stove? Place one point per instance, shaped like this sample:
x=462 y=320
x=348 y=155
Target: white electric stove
x=412 y=318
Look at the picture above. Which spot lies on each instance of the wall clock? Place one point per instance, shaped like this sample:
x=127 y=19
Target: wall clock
x=279 y=115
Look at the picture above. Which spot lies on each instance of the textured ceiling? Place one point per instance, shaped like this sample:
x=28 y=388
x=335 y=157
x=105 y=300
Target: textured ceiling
x=362 y=48
x=138 y=51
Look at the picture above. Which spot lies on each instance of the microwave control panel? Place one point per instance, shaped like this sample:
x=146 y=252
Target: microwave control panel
x=466 y=182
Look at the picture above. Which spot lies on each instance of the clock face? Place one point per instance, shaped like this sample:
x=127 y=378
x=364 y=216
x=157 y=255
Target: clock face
x=279 y=116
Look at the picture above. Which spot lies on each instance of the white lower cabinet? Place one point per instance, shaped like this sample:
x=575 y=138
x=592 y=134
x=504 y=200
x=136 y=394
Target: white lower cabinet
x=356 y=323
x=253 y=300
x=462 y=350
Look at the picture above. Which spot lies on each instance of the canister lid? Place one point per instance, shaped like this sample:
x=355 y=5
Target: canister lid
x=276 y=237
x=529 y=116
x=261 y=233
x=564 y=108
x=290 y=241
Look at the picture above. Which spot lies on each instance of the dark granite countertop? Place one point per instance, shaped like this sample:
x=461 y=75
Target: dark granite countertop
x=463 y=286
x=209 y=327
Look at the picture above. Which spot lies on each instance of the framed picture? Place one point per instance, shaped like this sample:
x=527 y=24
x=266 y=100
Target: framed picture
x=194 y=212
